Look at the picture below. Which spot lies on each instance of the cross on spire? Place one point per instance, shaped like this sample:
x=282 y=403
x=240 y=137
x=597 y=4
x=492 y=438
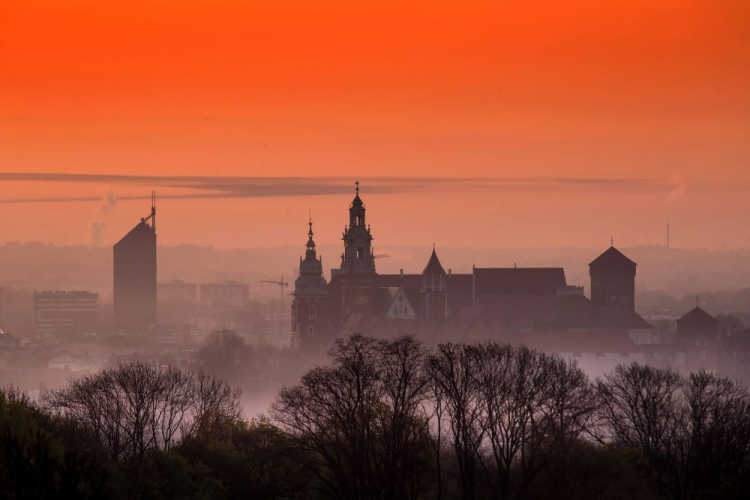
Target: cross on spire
x=357 y=188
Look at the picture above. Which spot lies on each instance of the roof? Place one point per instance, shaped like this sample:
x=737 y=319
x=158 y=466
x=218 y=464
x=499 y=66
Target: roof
x=698 y=316
x=697 y=322
x=140 y=232
x=612 y=257
x=433 y=266
x=511 y=280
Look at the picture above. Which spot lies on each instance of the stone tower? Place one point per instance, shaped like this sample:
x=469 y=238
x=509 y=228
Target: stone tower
x=310 y=312
x=613 y=280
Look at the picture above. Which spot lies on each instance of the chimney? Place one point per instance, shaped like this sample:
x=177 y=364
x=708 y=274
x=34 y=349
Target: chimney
x=450 y=271
x=402 y=273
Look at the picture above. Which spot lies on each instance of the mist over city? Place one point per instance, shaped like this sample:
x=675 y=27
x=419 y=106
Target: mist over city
x=374 y=251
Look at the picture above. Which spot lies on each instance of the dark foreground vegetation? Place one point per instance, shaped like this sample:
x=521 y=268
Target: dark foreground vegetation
x=386 y=420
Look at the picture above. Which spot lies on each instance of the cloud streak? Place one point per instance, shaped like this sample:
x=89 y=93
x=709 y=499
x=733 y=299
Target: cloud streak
x=227 y=187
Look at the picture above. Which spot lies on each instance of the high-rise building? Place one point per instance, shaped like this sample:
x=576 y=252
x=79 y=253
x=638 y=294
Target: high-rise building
x=64 y=313
x=135 y=275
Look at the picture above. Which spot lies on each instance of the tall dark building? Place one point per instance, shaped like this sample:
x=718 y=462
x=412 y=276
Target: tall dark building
x=135 y=275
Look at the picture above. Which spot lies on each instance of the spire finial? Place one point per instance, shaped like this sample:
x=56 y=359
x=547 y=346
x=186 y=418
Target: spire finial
x=612 y=240
x=357 y=188
x=433 y=246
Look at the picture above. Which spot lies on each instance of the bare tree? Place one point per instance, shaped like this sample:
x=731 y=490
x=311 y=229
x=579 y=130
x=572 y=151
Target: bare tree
x=452 y=370
x=434 y=408
x=533 y=407
x=402 y=422
x=215 y=405
x=641 y=409
x=360 y=419
x=693 y=431
x=135 y=407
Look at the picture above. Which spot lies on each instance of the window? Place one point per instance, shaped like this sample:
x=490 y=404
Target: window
x=310 y=330
x=614 y=297
x=313 y=312
x=703 y=354
x=360 y=253
x=358 y=220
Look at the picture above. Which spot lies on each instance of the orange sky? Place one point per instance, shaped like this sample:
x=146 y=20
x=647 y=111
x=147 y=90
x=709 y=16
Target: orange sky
x=595 y=118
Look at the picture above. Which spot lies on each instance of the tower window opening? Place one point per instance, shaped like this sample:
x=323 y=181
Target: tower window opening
x=313 y=312
x=360 y=253
x=358 y=220
x=310 y=330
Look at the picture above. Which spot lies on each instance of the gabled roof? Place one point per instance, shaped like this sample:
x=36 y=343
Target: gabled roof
x=697 y=316
x=433 y=266
x=697 y=323
x=612 y=257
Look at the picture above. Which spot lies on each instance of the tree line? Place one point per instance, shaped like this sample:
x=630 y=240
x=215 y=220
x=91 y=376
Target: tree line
x=386 y=419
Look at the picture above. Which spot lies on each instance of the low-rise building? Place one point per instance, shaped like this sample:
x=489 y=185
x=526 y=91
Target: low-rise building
x=59 y=312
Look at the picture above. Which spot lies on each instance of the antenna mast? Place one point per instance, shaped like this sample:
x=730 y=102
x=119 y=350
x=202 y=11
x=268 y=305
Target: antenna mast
x=153 y=210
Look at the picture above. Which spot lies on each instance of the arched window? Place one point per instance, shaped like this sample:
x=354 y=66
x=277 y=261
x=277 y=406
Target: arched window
x=360 y=253
x=313 y=313
x=310 y=330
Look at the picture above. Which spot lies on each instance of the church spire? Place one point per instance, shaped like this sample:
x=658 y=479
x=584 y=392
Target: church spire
x=310 y=253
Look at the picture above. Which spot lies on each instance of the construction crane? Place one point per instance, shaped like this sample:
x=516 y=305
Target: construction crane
x=282 y=284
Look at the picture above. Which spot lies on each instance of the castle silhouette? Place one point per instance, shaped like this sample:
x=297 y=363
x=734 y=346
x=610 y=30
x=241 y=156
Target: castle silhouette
x=514 y=304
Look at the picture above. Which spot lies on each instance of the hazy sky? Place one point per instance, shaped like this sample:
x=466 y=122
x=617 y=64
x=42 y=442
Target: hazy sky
x=564 y=122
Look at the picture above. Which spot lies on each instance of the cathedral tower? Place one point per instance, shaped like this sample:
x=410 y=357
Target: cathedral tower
x=357 y=258
x=310 y=314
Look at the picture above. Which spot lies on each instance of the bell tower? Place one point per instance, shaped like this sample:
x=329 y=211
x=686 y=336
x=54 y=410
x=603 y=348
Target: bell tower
x=358 y=258
x=310 y=315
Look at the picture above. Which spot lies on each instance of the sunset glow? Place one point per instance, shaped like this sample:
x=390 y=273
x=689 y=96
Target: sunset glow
x=587 y=118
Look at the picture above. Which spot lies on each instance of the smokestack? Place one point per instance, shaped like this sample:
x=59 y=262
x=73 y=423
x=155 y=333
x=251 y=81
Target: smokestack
x=667 y=234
